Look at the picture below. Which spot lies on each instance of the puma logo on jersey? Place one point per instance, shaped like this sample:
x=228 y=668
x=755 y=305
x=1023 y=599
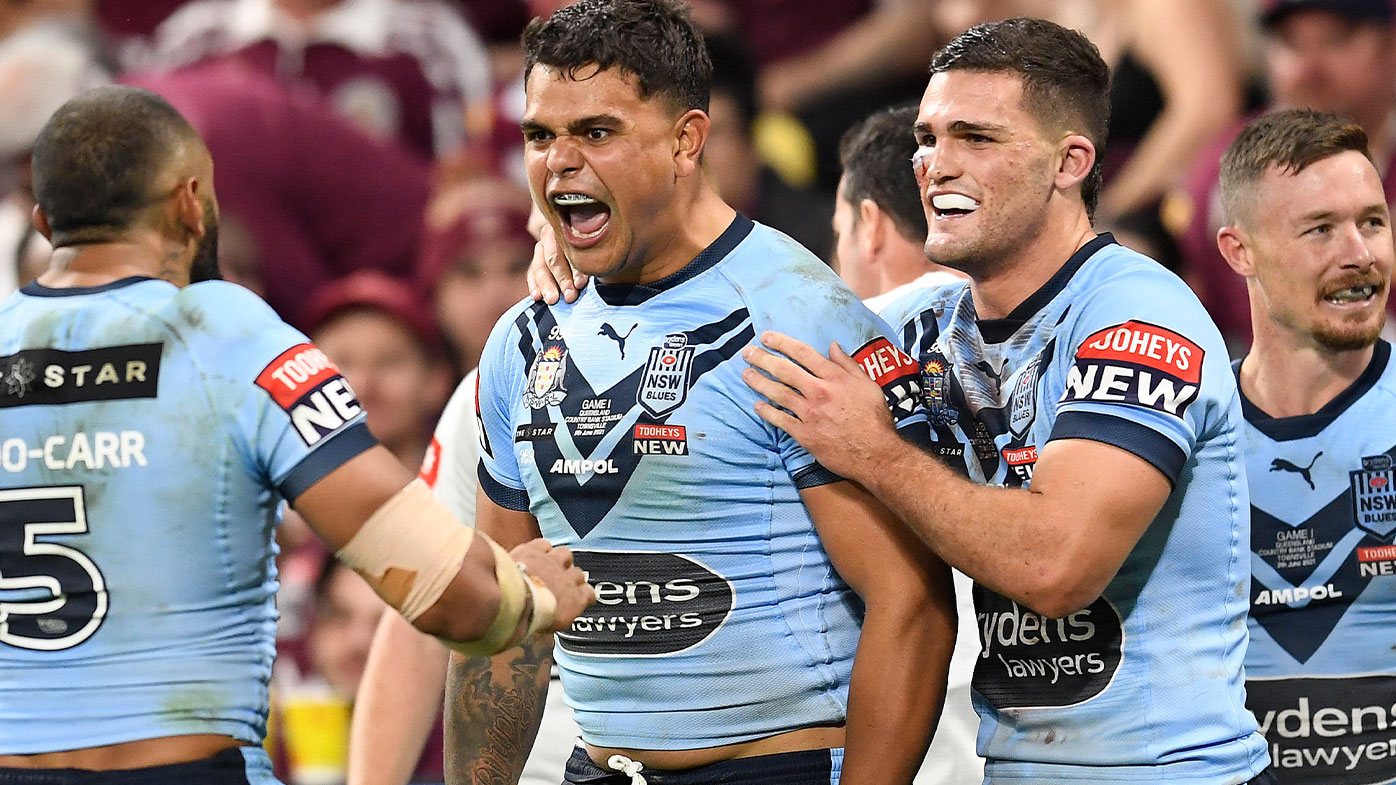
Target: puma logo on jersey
x=1281 y=465
x=610 y=332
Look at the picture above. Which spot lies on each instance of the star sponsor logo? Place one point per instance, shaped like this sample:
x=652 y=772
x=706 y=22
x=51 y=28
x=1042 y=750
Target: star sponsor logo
x=19 y=378
x=33 y=377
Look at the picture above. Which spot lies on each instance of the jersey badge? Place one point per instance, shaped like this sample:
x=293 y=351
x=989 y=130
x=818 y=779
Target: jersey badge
x=1139 y=364
x=664 y=382
x=1374 y=496
x=1022 y=407
x=935 y=384
x=545 y=378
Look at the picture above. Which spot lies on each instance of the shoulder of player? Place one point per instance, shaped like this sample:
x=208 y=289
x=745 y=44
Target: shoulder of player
x=778 y=279
x=938 y=300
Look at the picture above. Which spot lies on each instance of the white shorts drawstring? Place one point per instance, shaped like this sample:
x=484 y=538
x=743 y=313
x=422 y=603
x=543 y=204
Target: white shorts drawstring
x=628 y=767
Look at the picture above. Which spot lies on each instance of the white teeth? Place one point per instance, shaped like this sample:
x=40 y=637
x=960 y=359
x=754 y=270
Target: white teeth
x=1350 y=295
x=953 y=202
x=573 y=200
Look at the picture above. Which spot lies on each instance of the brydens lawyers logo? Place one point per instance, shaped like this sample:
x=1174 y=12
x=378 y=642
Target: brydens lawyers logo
x=304 y=383
x=895 y=371
x=1137 y=363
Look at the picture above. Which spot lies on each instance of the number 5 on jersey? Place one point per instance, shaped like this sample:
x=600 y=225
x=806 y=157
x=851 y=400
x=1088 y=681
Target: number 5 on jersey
x=52 y=597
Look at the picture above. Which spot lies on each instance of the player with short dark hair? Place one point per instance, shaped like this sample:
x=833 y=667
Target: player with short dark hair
x=153 y=419
x=1087 y=395
x=1308 y=227
x=761 y=618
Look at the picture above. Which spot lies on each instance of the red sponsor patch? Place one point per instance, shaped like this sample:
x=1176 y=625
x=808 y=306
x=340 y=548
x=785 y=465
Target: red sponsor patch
x=295 y=372
x=431 y=463
x=1379 y=553
x=885 y=363
x=1149 y=345
x=1021 y=456
x=670 y=432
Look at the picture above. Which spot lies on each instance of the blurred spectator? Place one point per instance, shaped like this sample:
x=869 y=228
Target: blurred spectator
x=318 y=198
x=129 y=24
x=731 y=158
x=1332 y=55
x=46 y=57
x=477 y=255
x=832 y=62
x=381 y=335
x=411 y=71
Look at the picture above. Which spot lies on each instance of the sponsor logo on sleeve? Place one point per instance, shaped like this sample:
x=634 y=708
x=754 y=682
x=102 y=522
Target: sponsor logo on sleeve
x=1028 y=660
x=647 y=604
x=309 y=388
x=35 y=377
x=1136 y=363
x=664 y=381
x=651 y=439
x=895 y=371
x=1374 y=496
x=1321 y=731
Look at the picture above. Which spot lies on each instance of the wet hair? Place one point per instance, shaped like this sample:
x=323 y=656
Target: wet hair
x=1066 y=84
x=655 y=41
x=876 y=155
x=1288 y=139
x=96 y=161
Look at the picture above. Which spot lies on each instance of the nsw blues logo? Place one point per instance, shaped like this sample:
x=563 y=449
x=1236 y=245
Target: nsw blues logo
x=1023 y=406
x=664 y=381
x=545 y=378
x=1374 y=496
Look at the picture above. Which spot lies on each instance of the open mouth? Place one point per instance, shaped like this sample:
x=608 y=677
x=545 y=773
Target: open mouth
x=1352 y=294
x=584 y=218
x=952 y=205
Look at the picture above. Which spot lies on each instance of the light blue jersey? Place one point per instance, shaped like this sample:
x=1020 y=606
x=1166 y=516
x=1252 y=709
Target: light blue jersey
x=1321 y=667
x=622 y=424
x=1144 y=684
x=147 y=435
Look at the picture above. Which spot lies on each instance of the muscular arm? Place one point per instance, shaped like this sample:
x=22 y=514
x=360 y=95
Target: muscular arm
x=495 y=704
x=1052 y=548
x=397 y=703
x=899 y=671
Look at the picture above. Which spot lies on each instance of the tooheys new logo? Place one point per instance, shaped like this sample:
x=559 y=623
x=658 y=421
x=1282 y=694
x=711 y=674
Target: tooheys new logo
x=1324 y=731
x=895 y=371
x=647 y=604
x=1029 y=661
x=304 y=383
x=1136 y=363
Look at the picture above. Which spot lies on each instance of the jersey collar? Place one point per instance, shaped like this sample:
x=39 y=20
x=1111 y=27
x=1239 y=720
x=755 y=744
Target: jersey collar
x=1000 y=330
x=635 y=294
x=1304 y=426
x=36 y=289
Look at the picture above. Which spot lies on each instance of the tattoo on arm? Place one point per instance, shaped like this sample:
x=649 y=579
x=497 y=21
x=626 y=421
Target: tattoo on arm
x=493 y=708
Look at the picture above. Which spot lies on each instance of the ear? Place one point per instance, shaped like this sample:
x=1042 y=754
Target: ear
x=40 y=222
x=1236 y=248
x=1075 y=157
x=188 y=208
x=870 y=231
x=690 y=134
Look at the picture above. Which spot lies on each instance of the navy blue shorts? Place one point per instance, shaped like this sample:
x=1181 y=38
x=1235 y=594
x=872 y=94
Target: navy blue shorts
x=235 y=766
x=805 y=767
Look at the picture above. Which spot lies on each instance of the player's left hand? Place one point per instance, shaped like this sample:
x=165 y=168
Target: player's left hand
x=828 y=404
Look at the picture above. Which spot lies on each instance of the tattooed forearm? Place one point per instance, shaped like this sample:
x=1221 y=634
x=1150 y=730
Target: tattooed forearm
x=493 y=707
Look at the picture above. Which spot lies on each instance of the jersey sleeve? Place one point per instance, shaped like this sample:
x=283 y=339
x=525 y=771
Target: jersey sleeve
x=497 y=385
x=449 y=466
x=296 y=418
x=842 y=318
x=1147 y=372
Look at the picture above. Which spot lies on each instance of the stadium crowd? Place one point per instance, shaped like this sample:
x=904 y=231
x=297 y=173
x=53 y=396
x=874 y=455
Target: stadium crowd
x=373 y=190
